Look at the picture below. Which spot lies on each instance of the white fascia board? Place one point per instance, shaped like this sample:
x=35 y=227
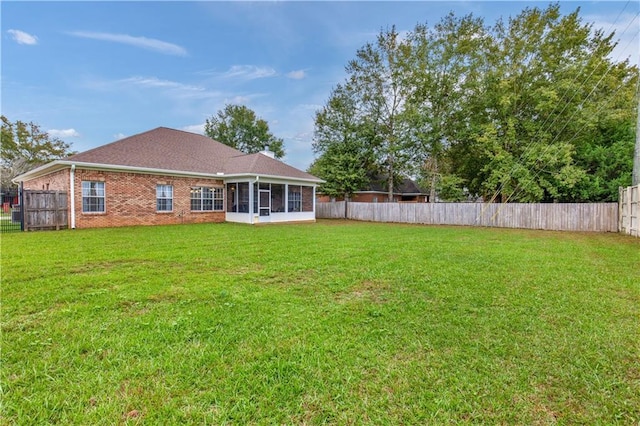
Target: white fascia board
x=45 y=169
x=144 y=170
x=62 y=164
x=241 y=177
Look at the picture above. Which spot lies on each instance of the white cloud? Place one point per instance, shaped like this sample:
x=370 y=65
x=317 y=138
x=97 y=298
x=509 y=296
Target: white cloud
x=21 y=37
x=63 y=133
x=142 y=42
x=297 y=75
x=626 y=34
x=119 y=136
x=249 y=72
x=172 y=88
x=195 y=128
x=238 y=100
x=311 y=107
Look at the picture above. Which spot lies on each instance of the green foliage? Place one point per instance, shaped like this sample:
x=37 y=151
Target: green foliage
x=341 y=138
x=521 y=111
x=238 y=127
x=24 y=146
x=342 y=169
x=327 y=323
x=377 y=95
x=451 y=188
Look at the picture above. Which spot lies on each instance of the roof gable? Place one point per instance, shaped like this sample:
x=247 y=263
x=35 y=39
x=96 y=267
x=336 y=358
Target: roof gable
x=176 y=150
x=261 y=164
x=163 y=149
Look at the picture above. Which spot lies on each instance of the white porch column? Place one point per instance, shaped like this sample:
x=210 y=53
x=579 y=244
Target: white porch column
x=286 y=197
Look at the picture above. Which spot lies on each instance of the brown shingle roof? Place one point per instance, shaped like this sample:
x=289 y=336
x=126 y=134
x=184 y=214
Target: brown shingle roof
x=180 y=151
x=261 y=164
x=163 y=149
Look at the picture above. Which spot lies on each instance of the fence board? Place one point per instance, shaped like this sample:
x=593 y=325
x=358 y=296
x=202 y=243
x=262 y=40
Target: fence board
x=629 y=219
x=45 y=210
x=593 y=217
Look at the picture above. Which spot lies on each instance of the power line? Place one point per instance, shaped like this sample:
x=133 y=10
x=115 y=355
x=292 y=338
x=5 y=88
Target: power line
x=528 y=148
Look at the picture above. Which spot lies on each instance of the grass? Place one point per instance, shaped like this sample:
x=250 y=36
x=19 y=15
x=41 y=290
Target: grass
x=328 y=323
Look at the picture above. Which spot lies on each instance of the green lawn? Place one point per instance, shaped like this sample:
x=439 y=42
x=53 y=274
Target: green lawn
x=327 y=323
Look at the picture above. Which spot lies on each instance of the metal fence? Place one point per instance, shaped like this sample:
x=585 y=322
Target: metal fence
x=593 y=217
x=10 y=211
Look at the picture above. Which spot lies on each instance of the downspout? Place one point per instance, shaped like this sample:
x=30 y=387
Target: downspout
x=72 y=178
x=314 y=203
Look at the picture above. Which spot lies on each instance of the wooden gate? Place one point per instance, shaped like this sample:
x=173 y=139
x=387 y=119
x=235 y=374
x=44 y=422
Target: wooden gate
x=629 y=222
x=45 y=210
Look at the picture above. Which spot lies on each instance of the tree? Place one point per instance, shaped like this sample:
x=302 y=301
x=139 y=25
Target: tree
x=524 y=111
x=238 y=127
x=346 y=157
x=445 y=68
x=548 y=87
x=376 y=77
x=24 y=146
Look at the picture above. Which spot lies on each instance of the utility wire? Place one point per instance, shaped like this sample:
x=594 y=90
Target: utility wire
x=518 y=188
x=566 y=104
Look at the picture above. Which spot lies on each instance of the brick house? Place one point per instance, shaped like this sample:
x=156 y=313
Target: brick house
x=167 y=176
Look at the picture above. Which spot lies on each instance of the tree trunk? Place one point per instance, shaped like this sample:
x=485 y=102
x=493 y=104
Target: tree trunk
x=390 y=181
x=434 y=180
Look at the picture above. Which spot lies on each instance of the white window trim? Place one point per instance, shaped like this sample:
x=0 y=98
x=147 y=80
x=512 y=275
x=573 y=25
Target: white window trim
x=104 y=196
x=164 y=198
x=214 y=190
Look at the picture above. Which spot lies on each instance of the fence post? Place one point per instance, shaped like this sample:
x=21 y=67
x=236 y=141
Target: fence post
x=55 y=211
x=23 y=226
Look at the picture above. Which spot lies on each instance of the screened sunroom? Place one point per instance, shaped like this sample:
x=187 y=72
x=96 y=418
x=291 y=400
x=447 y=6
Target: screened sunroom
x=263 y=201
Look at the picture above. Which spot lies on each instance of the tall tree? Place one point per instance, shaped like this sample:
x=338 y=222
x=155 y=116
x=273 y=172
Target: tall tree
x=240 y=128
x=345 y=154
x=25 y=146
x=548 y=76
x=523 y=111
x=445 y=69
x=376 y=77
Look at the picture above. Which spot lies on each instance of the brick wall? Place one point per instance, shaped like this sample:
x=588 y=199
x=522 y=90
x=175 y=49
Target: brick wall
x=57 y=181
x=130 y=199
x=307 y=198
x=369 y=197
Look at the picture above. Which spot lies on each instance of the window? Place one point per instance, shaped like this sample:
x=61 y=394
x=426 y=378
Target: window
x=207 y=199
x=295 y=198
x=232 y=197
x=218 y=199
x=277 y=198
x=92 y=197
x=164 y=198
x=243 y=197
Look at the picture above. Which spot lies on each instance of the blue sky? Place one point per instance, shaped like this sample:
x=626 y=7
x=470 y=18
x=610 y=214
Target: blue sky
x=93 y=72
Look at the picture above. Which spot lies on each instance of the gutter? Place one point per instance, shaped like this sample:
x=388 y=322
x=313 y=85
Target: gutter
x=72 y=190
x=61 y=164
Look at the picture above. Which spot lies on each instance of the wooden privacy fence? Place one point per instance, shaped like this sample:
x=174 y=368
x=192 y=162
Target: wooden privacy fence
x=595 y=217
x=630 y=210
x=45 y=210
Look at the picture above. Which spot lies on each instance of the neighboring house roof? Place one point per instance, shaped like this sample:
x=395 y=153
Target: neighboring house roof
x=407 y=186
x=165 y=150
